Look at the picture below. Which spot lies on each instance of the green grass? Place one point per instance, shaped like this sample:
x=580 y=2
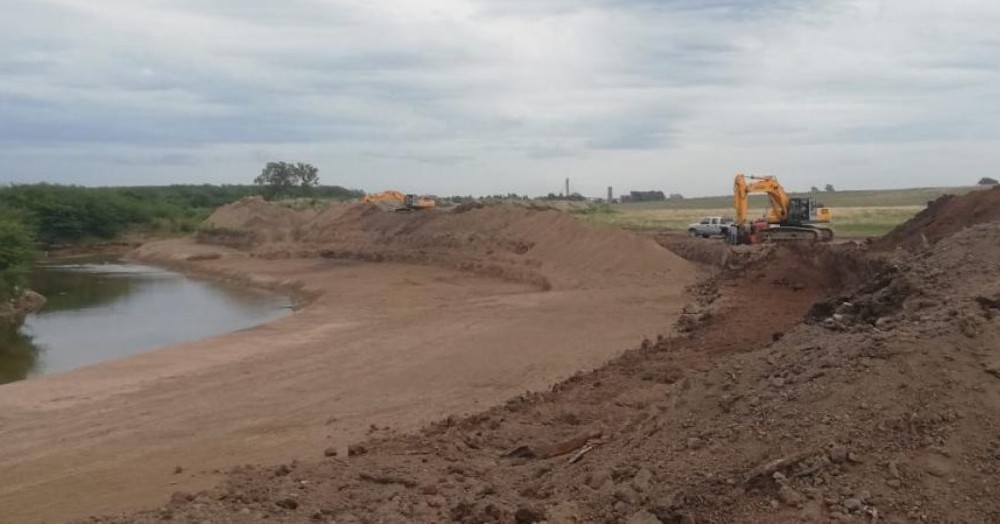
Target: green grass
x=871 y=221
x=862 y=198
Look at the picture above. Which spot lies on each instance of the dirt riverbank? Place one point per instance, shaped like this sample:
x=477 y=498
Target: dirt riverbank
x=531 y=299
x=13 y=311
x=809 y=384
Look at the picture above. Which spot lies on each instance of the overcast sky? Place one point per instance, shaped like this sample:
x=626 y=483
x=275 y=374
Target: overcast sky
x=487 y=96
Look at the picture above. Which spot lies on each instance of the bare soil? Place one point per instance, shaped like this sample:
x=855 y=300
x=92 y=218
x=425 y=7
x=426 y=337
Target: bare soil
x=804 y=385
x=943 y=217
x=504 y=305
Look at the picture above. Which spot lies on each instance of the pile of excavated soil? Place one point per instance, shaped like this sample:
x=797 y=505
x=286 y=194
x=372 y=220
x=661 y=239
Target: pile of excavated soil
x=547 y=248
x=709 y=253
x=942 y=217
x=884 y=405
x=253 y=220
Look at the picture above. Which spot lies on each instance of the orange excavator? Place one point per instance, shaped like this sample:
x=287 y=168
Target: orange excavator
x=787 y=218
x=407 y=202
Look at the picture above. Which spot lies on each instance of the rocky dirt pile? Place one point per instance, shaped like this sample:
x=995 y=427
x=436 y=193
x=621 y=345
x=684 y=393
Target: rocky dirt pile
x=883 y=406
x=771 y=405
x=942 y=217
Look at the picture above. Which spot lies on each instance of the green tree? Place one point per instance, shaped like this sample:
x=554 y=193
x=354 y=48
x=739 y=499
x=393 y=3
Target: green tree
x=279 y=178
x=17 y=252
x=70 y=214
x=829 y=188
x=987 y=181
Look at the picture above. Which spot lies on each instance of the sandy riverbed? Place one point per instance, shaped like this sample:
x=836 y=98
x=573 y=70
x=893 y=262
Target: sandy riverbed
x=384 y=344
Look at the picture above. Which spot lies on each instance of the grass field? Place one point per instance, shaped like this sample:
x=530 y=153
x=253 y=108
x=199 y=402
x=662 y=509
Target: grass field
x=855 y=213
x=864 y=198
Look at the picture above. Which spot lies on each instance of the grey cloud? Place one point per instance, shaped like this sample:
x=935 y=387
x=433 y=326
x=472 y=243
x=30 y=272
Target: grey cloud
x=423 y=158
x=732 y=8
x=547 y=152
x=641 y=135
x=525 y=81
x=168 y=159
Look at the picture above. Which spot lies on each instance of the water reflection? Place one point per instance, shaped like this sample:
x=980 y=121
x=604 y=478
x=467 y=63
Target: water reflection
x=99 y=310
x=79 y=285
x=18 y=355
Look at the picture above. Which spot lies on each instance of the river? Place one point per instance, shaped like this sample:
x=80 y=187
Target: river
x=103 y=309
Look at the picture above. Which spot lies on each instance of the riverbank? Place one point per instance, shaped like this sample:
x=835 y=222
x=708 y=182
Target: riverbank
x=99 y=310
x=13 y=311
x=815 y=383
x=377 y=348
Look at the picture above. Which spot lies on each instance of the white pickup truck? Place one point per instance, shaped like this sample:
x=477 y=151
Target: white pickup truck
x=710 y=227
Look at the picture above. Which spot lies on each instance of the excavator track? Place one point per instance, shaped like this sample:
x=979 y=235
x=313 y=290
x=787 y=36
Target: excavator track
x=798 y=234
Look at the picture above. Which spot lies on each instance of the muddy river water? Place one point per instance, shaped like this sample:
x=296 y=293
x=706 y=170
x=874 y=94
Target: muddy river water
x=103 y=309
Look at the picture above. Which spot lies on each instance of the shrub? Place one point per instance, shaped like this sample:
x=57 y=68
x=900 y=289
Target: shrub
x=17 y=252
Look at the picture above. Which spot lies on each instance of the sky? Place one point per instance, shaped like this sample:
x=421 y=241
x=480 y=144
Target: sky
x=497 y=96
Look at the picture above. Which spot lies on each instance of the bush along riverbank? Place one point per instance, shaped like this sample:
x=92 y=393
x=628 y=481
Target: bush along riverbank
x=17 y=253
x=69 y=220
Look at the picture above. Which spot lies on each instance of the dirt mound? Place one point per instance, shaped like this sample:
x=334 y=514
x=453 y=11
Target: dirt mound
x=942 y=217
x=547 y=248
x=253 y=220
x=707 y=252
x=885 y=405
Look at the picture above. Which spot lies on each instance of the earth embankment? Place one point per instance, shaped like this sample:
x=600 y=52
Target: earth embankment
x=546 y=248
x=807 y=385
x=461 y=313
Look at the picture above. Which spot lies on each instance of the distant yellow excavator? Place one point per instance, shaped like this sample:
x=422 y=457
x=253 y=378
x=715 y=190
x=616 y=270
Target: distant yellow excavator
x=787 y=218
x=408 y=202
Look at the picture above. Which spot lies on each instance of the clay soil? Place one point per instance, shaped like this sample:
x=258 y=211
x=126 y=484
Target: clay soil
x=840 y=383
x=386 y=335
x=815 y=384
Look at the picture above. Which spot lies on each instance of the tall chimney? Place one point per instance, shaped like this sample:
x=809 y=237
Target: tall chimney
x=567 y=188
x=611 y=195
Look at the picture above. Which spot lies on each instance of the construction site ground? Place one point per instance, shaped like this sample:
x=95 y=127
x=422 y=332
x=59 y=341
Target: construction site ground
x=390 y=345
x=856 y=382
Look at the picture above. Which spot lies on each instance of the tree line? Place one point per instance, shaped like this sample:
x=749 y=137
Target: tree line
x=34 y=216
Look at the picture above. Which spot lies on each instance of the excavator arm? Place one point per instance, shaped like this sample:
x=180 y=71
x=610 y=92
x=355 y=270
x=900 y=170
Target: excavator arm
x=777 y=212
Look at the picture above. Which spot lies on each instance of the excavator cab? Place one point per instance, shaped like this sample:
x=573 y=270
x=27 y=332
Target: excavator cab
x=414 y=202
x=806 y=211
